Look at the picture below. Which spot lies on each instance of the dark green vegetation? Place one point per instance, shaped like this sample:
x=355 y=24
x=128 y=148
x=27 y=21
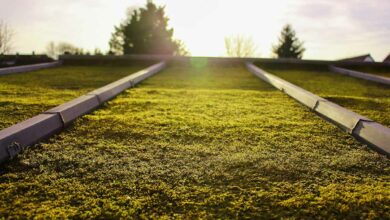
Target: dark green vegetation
x=385 y=73
x=20 y=59
x=380 y=73
x=195 y=143
x=376 y=70
x=369 y=99
x=25 y=95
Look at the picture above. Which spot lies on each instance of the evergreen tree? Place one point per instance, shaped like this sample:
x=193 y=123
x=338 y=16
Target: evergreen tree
x=145 y=31
x=289 y=46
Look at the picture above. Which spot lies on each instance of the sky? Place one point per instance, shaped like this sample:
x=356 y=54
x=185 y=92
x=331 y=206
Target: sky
x=330 y=29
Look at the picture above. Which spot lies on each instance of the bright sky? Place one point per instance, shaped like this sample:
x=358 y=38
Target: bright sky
x=331 y=29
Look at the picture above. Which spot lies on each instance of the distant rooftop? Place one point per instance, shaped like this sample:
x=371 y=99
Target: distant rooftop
x=362 y=58
x=387 y=59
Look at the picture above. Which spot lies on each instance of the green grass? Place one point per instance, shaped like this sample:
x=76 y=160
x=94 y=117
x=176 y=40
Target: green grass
x=363 y=97
x=206 y=142
x=25 y=95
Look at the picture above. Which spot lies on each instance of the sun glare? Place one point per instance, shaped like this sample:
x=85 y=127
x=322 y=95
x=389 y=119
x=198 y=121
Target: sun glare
x=204 y=33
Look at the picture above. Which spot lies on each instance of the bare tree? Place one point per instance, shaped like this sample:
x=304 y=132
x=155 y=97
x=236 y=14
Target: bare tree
x=240 y=46
x=51 y=50
x=6 y=36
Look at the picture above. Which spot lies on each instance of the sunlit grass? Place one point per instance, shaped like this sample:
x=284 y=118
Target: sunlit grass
x=25 y=95
x=364 y=97
x=213 y=142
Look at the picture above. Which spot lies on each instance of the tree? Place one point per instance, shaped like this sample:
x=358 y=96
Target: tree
x=289 y=46
x=53 y=50
x=97 y=51
x=68 y=48
x=145 y=31
x=6 y=36
x=240 y=46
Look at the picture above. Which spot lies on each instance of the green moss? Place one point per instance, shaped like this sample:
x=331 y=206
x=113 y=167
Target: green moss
x=25 y=95
x=213 y=142
x=363 y=97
